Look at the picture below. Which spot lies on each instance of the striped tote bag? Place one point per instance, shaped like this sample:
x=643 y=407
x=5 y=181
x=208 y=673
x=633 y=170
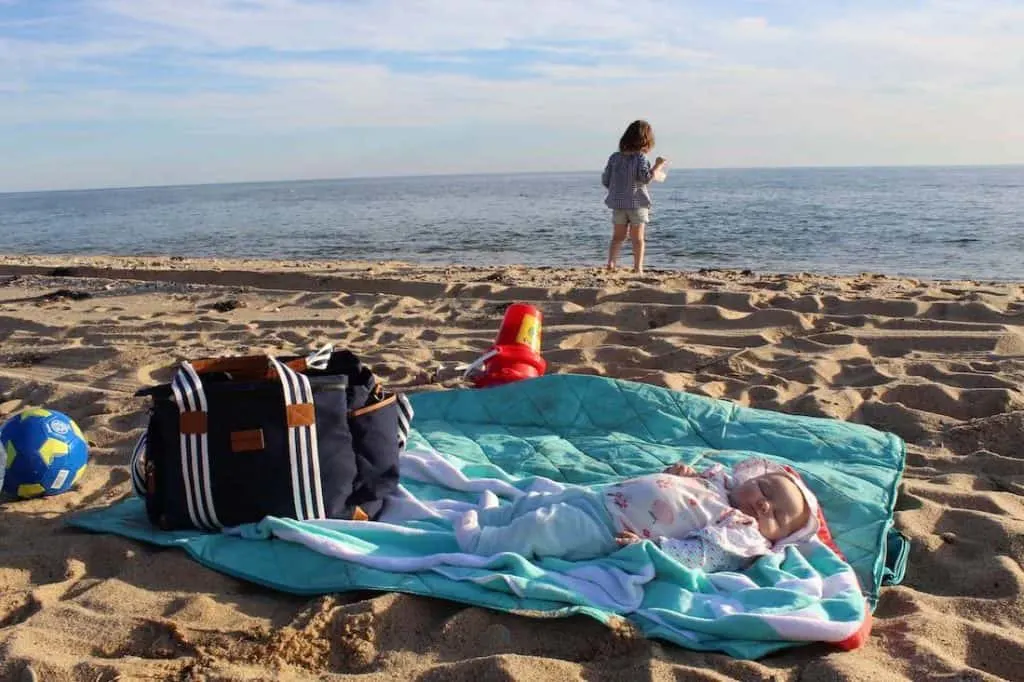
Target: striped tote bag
x=232 y=440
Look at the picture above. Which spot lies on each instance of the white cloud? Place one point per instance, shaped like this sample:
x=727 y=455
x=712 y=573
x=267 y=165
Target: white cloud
x=393 y=25
x=35 y=57
x=755 y=28
x=943 y=81
x=951 y=40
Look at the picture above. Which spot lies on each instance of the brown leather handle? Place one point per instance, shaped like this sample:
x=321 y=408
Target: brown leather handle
x=251 y=367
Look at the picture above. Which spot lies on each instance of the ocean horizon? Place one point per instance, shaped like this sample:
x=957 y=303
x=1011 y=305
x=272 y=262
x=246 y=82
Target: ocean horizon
x=414 y=176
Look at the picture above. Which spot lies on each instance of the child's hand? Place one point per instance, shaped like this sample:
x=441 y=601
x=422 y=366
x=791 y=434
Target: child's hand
x=680 y=469
x=626 y=538
x=660 y=161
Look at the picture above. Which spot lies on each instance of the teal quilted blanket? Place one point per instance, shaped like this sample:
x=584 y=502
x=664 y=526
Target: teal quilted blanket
x=564 y=430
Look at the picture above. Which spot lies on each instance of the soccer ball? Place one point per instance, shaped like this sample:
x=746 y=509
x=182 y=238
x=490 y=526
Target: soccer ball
x=46 y=453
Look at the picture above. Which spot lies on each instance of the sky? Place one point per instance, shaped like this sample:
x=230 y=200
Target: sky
x=101 y=93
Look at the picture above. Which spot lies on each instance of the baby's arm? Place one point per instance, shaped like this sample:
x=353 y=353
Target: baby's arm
x=680 y=469
x=711 y=472
x=726 y=547
x=606 y=176
x=698 y=552
x=693 y=552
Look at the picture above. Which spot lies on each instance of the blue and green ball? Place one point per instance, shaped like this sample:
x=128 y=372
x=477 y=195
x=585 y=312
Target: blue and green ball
x=46 y=453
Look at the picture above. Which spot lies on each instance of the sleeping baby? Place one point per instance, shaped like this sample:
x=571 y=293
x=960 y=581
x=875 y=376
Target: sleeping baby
x=714 y=519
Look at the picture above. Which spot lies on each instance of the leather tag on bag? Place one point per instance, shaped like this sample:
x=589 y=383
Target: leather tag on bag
x=247 y=441
x=302 y=414
x=192 y=422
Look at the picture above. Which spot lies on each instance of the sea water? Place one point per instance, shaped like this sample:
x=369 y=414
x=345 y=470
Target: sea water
x=956 y=222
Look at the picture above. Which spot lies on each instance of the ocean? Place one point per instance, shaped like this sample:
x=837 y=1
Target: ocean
x=933 y=222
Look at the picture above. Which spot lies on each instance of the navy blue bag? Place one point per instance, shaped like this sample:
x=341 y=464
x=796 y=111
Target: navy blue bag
x=231 y=440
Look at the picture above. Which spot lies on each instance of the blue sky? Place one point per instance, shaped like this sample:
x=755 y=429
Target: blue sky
x=97 y=93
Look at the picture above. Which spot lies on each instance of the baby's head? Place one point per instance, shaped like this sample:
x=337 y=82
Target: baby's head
x=780 y=503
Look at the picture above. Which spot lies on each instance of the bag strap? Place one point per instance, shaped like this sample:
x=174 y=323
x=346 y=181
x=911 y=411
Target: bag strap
x=319 y=358
x=245 y=366
x=137 y=466
x=304 y=456
x=405 y=414
x=258 y=366
x=194 y=447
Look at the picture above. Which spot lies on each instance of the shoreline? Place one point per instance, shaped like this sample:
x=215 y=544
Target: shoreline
x=314 y=274
x=939 y=363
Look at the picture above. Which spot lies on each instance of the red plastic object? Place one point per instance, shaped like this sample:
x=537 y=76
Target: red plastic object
x=515 y=354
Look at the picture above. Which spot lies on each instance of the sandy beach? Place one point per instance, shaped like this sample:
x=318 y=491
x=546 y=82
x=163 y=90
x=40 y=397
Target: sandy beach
x=941 y=364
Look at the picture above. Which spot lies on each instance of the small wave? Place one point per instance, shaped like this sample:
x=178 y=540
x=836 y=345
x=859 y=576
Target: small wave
x=699 y=253
x=962 y=240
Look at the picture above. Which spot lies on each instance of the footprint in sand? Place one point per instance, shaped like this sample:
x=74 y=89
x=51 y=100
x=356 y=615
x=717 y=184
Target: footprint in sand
x=154 y=373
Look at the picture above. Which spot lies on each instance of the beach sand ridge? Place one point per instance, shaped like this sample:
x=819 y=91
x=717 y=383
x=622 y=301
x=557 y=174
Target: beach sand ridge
x=941 y=364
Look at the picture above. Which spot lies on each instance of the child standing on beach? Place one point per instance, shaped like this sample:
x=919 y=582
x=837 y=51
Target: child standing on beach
x=626 y=176
x=715 y=520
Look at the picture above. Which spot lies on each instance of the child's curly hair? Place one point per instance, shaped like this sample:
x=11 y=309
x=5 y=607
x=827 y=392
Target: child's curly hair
x=639 y=137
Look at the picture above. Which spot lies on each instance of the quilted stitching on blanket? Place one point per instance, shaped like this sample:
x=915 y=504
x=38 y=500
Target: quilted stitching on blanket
x=585 y=429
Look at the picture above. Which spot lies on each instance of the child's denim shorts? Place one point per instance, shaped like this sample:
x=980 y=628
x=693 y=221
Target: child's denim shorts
x=630 y=216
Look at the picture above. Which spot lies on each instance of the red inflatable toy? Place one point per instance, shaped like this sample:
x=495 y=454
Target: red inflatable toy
x=515 y=354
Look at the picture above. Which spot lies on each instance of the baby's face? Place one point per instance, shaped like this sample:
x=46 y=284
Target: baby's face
x=775 y=501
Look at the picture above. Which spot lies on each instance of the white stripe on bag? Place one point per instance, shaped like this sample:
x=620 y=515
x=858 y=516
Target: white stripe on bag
x=298 y=442
x=293 y=452
x=308 y=436
x=302 y=446
x=194 y=445
x=318 y=359
x=293 y=457
x=190 y=397
x=183 y=448
x=204 y=449
x=405 y=414
x=314 y=454
x=137 y=466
